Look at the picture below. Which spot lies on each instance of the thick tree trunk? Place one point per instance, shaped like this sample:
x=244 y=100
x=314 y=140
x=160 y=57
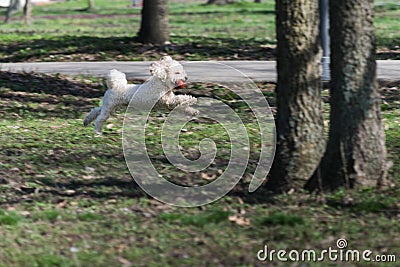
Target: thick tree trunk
x=356 y=153
x=300 y=139
x=154 y=27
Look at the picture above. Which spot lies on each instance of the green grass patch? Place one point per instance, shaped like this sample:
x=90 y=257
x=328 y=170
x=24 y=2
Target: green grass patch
x=200 y=220
x=281 y=219
x=89 y=217
x=9 y=218
x=49 y=215
x=67 y=31
x=67 y=198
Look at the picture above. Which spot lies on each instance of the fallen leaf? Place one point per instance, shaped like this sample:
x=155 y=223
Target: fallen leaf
x=125 y=262
x=208 y=177
x=239 y=220
x=25 y=213
x=89 y=169
x=69 y=192
x=62 y=204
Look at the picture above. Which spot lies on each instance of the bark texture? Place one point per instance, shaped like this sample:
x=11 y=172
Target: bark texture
x=300 y=139
x=356 y=153
x=154 y=27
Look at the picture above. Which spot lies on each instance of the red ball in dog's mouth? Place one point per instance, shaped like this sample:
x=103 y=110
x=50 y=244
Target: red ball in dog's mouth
x=180 y=84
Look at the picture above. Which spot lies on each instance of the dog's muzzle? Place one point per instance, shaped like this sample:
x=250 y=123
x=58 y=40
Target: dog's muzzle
x=180 y=84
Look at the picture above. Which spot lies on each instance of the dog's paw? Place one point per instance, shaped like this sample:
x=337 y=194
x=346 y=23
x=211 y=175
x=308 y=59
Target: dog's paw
x=97 y=134
x=190 y=100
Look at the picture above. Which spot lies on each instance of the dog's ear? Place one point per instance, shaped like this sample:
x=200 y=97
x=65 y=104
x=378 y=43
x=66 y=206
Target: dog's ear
x=159 y=69
x=166 y=59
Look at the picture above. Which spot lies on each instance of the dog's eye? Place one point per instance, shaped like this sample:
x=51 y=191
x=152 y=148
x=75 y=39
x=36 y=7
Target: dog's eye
x=177 y=72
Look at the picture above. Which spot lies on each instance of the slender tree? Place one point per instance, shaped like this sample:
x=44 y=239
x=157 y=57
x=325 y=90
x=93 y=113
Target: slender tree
x=28 y=12
x=356 y=153
x=154 y=27
x=300 y=139
x=15 y=6
x=91 y=4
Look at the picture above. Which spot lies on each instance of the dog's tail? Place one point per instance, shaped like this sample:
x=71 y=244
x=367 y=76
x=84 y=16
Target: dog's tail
x=91 y=116
x=116 y=80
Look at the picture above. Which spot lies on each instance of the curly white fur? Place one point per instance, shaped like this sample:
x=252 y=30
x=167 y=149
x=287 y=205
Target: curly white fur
x=167 y=75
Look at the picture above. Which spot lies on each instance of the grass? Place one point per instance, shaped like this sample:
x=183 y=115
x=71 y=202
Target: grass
x=67 y=199
x=67 y=32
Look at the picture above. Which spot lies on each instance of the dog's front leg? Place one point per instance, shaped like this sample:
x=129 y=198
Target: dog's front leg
x=182 y=102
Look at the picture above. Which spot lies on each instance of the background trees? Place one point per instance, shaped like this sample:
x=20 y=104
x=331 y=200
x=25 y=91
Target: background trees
x=28 y=12
x=17 y=5
x=154 y=26
x=91 y=4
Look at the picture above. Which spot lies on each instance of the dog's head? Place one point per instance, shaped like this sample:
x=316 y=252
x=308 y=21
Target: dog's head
x=169 y=71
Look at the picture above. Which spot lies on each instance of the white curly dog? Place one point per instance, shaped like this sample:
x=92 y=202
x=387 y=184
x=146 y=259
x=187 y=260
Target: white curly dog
x=167 y=74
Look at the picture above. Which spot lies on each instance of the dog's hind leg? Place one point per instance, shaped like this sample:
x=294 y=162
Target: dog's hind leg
x=91 y=116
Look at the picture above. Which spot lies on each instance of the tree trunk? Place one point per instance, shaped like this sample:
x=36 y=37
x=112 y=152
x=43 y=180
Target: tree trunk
x=15 y=6
x=356 y=153
x=154 y=27
x=91 y=4
x=300 y=139
x=28 y=12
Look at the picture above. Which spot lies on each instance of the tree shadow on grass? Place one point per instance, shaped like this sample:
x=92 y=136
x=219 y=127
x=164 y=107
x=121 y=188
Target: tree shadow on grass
x=106 y=187
x=56 y=191
x=89 y=48
x=41 y=95
x=224 y=12
x=53 y=85
x=67 y=178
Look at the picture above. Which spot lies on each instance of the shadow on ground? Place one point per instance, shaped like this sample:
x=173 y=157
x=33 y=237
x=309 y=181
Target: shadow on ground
x=88 y=48
x=63 y=97
x=49 y=190
x=41 y=95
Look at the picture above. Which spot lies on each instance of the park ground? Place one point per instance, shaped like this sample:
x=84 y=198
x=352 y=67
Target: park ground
x=67 y=198
x=66 y=32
